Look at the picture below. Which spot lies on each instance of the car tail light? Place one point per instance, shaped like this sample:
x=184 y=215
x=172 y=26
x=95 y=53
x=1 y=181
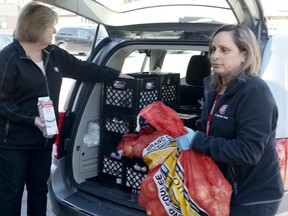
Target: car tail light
x=60 y=121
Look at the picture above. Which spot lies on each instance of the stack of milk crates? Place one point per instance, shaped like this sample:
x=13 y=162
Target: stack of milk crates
x=122 y=100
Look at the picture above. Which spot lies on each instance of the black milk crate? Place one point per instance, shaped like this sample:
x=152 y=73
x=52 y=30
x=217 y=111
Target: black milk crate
x=109 y=142
x=127 y=172
x=134 y=174
x=112 y=166
x=111 y=163
x=123 y=123
x=169 y=86
x=130 y=95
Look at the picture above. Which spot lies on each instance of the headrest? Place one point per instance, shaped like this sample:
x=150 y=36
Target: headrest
x=198 y=68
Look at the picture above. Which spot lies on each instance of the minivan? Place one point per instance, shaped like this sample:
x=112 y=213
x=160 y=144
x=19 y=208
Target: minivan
x=88 y=177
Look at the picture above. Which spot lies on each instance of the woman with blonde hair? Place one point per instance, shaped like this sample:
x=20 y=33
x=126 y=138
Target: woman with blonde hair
x=31 y=68
x=239 y=120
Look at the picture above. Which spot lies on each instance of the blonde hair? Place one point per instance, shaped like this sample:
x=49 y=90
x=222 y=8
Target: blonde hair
x=246 y=41
x=33 y=21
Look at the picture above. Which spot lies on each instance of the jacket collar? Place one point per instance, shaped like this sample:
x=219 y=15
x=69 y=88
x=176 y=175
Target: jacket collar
x=19 y=48
x=22 y=53
x=232 y=87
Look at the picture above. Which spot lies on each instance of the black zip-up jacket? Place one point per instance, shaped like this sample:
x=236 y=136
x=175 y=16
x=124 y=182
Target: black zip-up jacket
x=22 y=82
x=242 y=140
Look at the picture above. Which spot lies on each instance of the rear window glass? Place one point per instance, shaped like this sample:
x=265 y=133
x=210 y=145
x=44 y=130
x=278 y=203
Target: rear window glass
x=175 y=61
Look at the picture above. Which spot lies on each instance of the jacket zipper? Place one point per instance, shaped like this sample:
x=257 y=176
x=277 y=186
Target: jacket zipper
x=45 y=66
x=234 y=179
x=7 y=125
x=47 y=86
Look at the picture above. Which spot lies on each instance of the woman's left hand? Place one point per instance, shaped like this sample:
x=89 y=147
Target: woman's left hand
x=40 y=125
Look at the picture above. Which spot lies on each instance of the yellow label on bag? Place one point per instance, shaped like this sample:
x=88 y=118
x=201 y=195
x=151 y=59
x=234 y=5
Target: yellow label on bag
x=169 y=179
x=158 y=150
x=172 y=191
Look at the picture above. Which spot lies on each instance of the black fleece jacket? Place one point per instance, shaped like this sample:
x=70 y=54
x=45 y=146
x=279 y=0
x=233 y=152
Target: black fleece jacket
x=242 y=140
x=22 y=82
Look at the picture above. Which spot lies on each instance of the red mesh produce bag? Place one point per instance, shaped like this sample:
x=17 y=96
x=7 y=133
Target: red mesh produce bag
x=205 y=183
x=164 y=119
x=282 y=150
x=186 y=183
x=148 y=198
x=132 y=144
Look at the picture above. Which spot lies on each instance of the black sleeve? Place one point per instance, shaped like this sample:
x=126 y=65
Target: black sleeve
x=81 y=70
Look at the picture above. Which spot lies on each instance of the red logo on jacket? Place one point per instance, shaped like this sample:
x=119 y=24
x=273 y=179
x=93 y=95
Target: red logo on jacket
x=56 y=69
x=222 y=109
